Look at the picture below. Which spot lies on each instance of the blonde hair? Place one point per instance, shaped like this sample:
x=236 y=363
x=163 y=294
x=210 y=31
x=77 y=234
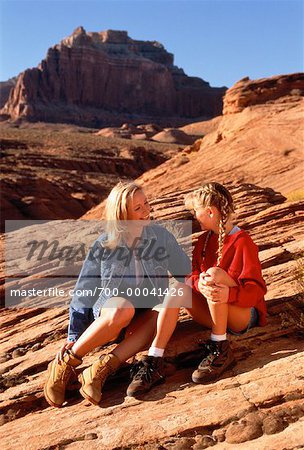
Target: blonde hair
x=213 y=194
x=116 y=211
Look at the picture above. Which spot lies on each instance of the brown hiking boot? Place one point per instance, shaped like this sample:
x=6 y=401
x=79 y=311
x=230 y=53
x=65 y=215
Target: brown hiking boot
x=93 y=378
x=219 y=357
x=147 y=373
x=58 y=375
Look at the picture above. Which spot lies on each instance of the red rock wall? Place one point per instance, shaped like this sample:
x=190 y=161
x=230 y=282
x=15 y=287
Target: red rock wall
x=94 y=78
x=248 y=92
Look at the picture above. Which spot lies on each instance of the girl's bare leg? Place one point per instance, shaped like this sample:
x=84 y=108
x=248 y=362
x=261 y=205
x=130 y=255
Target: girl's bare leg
x=139 y=335
x=216 y=316
x=221 y=314
x=166 y=323
x=168 y=316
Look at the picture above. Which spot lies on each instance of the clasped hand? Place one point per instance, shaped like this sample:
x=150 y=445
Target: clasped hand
x=213 y=292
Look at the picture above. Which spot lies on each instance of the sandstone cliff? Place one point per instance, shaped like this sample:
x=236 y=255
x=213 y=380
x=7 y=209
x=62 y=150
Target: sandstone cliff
x=248 y=92
x=259 y=404
x=262 y=144
x=5 y=89
x=107 y=78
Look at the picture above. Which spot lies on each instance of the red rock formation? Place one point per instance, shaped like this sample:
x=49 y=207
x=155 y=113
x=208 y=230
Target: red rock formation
x=107 y=78
x=148 y=132
x=248 y=92
x=5 y=88
x=258 y=403
x=264 y=392
x=51 y=172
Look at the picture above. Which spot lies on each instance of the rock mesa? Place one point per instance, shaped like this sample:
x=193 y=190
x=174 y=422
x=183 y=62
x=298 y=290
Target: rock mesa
x=107 y=78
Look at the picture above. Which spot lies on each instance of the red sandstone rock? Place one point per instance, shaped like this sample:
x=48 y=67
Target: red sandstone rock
x=259 y=404
x=173 y=136
x=49 y=174
x=248 y=92
x=5 y=88
x=263 y=144
x=102 y=78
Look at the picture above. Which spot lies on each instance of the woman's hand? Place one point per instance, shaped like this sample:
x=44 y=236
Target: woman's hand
x=66 y=346
x=216 y=293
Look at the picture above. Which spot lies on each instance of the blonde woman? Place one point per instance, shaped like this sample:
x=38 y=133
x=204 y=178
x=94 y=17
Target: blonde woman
x=226 y=287
x=127 y=269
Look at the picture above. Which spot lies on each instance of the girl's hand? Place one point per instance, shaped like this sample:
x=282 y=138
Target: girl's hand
x=65 y=347
x=204 y=280
x=216 y=293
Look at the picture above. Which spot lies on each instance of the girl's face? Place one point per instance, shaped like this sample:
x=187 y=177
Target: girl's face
x=208 y=217
x=138 y=207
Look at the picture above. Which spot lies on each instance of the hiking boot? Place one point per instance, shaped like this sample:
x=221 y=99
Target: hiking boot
x=149 y=374
x=219 y=357
x=58 y=376
x=192 y=358
x=94 y=377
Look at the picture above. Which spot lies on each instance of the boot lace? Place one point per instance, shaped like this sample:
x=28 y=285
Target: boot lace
x=63 y=372
x=145 y=373
x=214 y=352
x=102 y=371
x=135 y=368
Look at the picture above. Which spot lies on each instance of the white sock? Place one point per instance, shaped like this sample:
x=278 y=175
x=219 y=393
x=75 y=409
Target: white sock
x=218 y=337
x=156 y=352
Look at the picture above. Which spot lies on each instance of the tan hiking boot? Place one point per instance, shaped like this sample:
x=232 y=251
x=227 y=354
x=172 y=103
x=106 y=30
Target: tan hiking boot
x=58 y=376
x=93 y=378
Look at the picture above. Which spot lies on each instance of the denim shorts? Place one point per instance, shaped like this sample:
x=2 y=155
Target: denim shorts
x=253 y=322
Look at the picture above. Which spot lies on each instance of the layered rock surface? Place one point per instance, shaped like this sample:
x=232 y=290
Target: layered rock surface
x=248 y=92
x=259 y=404
x=262 y=144
x=56 y=172
x=254 y=406
x=107 y=78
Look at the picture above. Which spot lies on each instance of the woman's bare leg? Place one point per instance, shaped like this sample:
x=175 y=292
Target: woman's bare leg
x=115 y=315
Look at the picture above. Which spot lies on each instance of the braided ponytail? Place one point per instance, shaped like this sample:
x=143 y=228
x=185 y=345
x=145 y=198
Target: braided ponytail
x=213 y=194
x=224 y=215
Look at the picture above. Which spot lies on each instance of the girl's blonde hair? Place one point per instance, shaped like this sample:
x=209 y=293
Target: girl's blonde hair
x=116 y=212
x=213 y=194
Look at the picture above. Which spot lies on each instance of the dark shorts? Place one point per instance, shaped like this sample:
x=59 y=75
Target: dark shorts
x=253 y=322
x=122 y=333
x=141 y=302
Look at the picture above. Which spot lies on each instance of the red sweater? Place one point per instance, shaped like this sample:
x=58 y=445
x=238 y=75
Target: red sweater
x=240 y=260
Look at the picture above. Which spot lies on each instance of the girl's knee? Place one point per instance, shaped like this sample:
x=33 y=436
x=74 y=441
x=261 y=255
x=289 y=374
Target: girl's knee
x=216 y=274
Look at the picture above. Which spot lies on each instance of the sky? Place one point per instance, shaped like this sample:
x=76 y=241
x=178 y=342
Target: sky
x=220 y=41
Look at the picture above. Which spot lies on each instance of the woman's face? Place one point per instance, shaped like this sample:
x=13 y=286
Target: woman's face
x=138 y=207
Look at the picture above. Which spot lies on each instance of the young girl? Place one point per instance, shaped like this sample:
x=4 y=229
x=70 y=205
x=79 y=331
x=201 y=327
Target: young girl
x=120 y=280
x=226 y=287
